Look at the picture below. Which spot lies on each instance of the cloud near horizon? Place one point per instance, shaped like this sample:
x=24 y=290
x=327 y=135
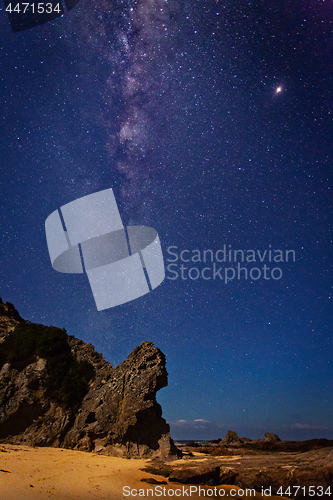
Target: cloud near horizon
x=198 y=424
x=196 y=421
x=309 y=427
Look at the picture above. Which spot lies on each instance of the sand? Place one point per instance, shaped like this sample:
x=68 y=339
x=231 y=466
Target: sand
x=52 y=473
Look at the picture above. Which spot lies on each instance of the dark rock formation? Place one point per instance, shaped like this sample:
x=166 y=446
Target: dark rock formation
x=286 y=446
x=9 y=319
x=231 y=437
x=152 y=480
x=56 y=390
x=268 y=470
x=271 y=437
x=193 y=444
x=227 y=476
x=245 y=440
x=159 y=468
x=202 y=474
x=233 y=445
x=313 y=468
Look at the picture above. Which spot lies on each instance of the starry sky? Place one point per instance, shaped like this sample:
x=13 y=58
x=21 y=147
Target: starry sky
x=212 y=122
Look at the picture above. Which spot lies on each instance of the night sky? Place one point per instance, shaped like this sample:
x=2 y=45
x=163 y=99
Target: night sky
x=212 y=122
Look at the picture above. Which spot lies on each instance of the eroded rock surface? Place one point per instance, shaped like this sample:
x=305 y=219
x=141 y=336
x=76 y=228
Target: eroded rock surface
x=312 y=470
x=56 y=390
x=9 y=319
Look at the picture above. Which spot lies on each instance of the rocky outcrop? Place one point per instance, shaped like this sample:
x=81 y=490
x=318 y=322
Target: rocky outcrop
x=9 y=319
x=56 y=390
x=231 y=437
x=233 y=445
x=276 y=472
x=270 y=437
x=201 y=474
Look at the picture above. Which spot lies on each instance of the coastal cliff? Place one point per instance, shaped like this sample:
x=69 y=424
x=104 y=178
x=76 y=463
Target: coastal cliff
x=56 y=390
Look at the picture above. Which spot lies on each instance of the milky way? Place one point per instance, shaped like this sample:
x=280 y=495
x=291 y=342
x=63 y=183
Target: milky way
x=174 y=106
x=137 y=43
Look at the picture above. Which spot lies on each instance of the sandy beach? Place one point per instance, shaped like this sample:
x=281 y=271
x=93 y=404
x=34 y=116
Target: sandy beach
x=43 y=473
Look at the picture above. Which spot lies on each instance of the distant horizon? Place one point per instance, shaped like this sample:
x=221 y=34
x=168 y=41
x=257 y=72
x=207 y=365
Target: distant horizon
x=214 y=431
x=282 y=436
